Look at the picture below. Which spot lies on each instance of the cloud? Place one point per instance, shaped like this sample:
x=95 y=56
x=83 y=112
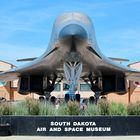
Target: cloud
x=23 y=21
x=11 y=53
x=123 y=43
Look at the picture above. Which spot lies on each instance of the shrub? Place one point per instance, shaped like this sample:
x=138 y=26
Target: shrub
x=73 y=108
x=117 y=109
x=5 y=108
x=92 y=110
x=104 y=107
x=133 y=109
x=62 y=110
x=20 y=109
x=46 y=109
x=32 y=106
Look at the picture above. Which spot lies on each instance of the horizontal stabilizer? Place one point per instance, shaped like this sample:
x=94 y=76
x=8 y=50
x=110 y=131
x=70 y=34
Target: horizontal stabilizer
x=119 y=59
x=26 y=59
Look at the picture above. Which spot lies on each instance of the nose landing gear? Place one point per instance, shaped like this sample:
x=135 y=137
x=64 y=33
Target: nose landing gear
x=72 y=72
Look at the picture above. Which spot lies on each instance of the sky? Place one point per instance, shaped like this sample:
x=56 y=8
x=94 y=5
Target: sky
x=26 y=25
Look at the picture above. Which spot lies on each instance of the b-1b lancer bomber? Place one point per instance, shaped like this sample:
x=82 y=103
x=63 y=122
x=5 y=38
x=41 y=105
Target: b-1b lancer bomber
x=72 y=55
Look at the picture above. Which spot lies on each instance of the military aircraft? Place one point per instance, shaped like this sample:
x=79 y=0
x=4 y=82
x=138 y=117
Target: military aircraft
x=73 y=56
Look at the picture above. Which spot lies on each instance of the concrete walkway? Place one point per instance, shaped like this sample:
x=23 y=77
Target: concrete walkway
x=70 y=138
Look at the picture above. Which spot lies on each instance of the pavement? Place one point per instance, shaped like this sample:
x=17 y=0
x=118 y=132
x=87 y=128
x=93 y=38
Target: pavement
x=70 y=138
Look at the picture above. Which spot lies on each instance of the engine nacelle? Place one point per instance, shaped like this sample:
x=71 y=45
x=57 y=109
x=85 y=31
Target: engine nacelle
x=30 y=83
x=114 y=83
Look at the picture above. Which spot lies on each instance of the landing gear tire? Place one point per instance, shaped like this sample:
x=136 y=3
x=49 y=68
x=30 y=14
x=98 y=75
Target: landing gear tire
x=92 y=100
x=41 y=98
x=97 y=95
x=77 y=97
x=67 y=97
x=53 y=99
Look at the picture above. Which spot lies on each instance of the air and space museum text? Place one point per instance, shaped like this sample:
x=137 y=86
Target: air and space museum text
x=73 y=127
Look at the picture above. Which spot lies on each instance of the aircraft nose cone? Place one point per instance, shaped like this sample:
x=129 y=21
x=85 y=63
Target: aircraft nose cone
x=73 y=30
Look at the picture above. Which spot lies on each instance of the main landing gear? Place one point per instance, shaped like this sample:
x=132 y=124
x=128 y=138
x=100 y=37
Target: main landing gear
x=95 y=87
x=49 y=85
